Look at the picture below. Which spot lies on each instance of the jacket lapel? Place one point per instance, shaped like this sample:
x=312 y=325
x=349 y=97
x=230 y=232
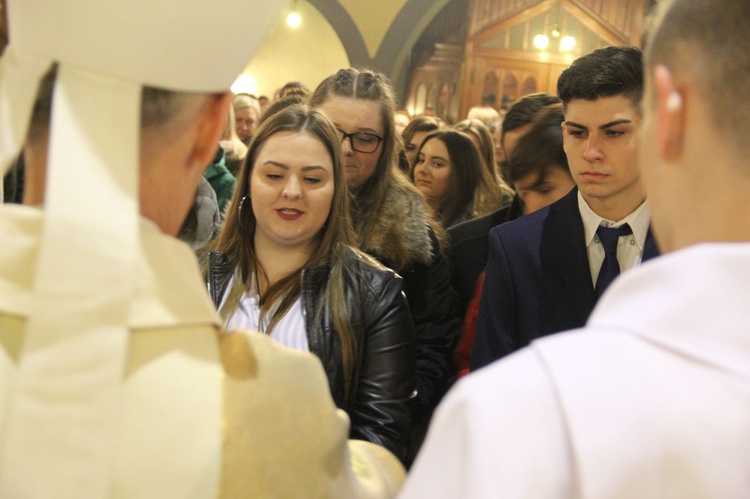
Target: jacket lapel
x=565 y=265
x=650 y=248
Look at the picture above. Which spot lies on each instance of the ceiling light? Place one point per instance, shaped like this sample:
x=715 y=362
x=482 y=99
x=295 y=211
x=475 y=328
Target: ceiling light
x=567 y=44
x=293 y=19
x=541 y=42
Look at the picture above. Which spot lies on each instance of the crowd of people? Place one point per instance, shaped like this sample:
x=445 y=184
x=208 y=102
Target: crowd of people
x=347 y=264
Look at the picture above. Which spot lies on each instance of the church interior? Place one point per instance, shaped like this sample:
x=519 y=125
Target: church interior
x=442 y=56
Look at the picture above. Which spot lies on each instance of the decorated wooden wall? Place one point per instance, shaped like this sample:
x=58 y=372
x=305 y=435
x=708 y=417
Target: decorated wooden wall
x=516 y=47
x=3 y=27
x=506 y=57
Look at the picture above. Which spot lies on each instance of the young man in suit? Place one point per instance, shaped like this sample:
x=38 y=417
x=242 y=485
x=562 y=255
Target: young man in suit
x=546 y=271
x=652 y=398
x=468 y=240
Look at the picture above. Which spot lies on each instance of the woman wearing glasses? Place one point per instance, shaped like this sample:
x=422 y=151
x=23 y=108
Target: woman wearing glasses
x=283 y=265
x=392 y=222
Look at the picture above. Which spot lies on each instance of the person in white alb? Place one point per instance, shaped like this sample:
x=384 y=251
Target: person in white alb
x=115 y=379
x=652 y=398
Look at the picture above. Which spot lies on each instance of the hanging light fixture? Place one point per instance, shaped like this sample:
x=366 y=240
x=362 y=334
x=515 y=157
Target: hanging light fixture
x=542 y=41
x=567 y=44
x=293 y=20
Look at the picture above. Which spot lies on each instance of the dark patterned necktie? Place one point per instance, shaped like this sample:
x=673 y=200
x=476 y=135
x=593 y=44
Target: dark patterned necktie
x=610 y=266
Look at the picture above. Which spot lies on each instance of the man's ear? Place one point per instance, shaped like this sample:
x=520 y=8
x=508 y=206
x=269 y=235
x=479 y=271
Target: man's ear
x=212 y=121
x=670 y=114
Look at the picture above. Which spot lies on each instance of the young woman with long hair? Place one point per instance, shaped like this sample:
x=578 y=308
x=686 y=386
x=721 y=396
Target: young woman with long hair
x=451 y=174
x=284 y=265
x=392 y=222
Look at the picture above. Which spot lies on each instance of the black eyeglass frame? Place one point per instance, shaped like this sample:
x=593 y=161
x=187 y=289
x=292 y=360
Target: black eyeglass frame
x=352 y=136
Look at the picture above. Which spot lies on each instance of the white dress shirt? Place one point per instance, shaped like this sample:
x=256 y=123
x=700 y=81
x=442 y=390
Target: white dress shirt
x=629 y=248
x=289 y=331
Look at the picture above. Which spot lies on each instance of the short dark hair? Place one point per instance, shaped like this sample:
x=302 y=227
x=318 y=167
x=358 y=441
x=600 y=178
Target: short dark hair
x=606 y=72
x=541 y=148
x=522 y=112
x=707 y=41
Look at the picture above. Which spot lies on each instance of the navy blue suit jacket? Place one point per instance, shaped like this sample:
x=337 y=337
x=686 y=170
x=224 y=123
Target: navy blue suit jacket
x=538 y=280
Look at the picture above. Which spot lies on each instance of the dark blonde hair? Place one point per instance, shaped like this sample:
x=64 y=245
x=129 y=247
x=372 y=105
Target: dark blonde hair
x=333 y=240
x=372 y=86
x=483 y=133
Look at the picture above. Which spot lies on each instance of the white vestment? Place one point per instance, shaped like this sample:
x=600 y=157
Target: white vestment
x=201 y=414
x=650 y=400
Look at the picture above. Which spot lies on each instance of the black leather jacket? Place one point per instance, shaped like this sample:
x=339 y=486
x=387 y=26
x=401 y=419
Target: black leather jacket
x=378 y=405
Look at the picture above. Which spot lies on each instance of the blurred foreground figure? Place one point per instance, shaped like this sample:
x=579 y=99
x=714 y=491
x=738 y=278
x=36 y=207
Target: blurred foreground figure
x=114 y=377
x=652 y=398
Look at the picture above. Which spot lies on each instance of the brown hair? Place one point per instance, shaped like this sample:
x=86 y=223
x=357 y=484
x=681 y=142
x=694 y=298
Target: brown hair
x=333 y=239
x=469 y=180
x=541 y=148
x=421 y=124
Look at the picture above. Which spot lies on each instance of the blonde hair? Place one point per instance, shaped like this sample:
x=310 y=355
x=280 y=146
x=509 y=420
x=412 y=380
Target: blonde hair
x=486 y=198
x=246 y=100
x=230 y=142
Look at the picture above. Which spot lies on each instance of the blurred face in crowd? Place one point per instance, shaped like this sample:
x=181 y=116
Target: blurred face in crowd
x=511 y=138
x=432 y=171
x=536 y=192
x=363 y=119
x=600 y=139
x=497 y=142
x=413 y=146
x=291 y=189
x=400 y=120
x=246 y=122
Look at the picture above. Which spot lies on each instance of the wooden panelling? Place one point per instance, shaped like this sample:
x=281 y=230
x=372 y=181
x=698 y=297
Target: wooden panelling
x=3 y=26
x=486 y=13
x=622 y=17
x=499 y=47
x=493 y=47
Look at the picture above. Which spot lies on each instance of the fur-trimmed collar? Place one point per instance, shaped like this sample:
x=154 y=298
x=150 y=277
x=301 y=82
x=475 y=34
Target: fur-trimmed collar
x=399 y=234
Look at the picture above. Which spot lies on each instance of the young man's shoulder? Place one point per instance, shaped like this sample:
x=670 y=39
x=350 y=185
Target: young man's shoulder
x=531 y=225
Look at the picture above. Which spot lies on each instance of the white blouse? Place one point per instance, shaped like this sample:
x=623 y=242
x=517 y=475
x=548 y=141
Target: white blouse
x=289 y=331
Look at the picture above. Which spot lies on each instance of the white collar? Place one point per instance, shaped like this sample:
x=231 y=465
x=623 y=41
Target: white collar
x=639 y=221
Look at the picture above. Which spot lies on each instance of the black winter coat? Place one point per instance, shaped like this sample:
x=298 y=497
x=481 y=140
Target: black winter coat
x=384 y=378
